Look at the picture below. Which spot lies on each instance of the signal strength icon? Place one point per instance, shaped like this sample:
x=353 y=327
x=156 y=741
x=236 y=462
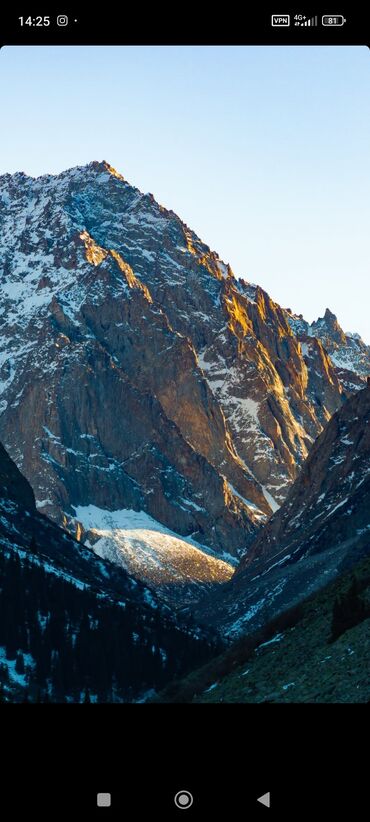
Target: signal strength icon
x=310 y=21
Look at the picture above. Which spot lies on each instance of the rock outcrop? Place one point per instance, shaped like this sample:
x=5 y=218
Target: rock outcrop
x=348 y=353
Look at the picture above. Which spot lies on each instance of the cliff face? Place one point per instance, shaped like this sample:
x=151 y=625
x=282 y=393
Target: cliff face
x=349 y=355
x=138 y=373
x=250 y=357
x=330 y=501
x=322 y=529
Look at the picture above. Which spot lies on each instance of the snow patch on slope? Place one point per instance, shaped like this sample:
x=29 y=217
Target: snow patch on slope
x=270 y=499
x=253 y=508
x=149 y=550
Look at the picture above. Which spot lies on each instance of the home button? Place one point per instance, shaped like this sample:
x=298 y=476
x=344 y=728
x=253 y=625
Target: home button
x=183 y=800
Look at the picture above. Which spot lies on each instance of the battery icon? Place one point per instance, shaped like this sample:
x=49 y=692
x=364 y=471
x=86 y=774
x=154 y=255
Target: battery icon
x=333 y=20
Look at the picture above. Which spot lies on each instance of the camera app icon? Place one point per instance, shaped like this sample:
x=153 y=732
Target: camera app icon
x=62 y=20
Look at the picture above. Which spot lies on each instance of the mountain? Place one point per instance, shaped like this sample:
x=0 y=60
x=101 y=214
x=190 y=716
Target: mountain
x=175 y=424
x=139 y=375
x=72 y=626
x=322 y=528
x=103 y=403
x=348 y=352
x=317 y=652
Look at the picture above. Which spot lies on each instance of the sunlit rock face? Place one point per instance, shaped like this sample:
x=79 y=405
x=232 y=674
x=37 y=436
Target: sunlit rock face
x=330 y=501
x=349 y=355
x=321 y=530
x=137 y=373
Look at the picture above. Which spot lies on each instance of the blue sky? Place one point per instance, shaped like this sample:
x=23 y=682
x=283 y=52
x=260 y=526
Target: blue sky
x=264 y=152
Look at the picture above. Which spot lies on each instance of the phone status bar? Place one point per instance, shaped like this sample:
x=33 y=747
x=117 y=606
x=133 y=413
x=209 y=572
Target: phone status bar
x=71 y=26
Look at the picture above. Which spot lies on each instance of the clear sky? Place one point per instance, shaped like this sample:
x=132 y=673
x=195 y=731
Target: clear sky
x=263 y=151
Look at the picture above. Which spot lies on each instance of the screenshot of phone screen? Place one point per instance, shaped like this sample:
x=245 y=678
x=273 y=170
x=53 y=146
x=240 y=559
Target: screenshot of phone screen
x=184 y=415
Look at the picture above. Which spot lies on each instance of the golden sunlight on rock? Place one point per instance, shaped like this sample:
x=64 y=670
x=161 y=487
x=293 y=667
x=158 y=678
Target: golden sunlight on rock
x=79 y=531
x=94 y=253
x=208 y=260
x=238 y=318
x=113 y=171
x=132 y=281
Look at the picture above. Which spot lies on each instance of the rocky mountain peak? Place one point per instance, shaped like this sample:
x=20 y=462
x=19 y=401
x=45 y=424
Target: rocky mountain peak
x=113 y=171
x=95 y=167
x=348 y=353
x=137 y=373
x=328 y=325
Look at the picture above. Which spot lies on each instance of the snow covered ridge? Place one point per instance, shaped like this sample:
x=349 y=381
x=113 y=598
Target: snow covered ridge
x=148 y=550
x=348 y=351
